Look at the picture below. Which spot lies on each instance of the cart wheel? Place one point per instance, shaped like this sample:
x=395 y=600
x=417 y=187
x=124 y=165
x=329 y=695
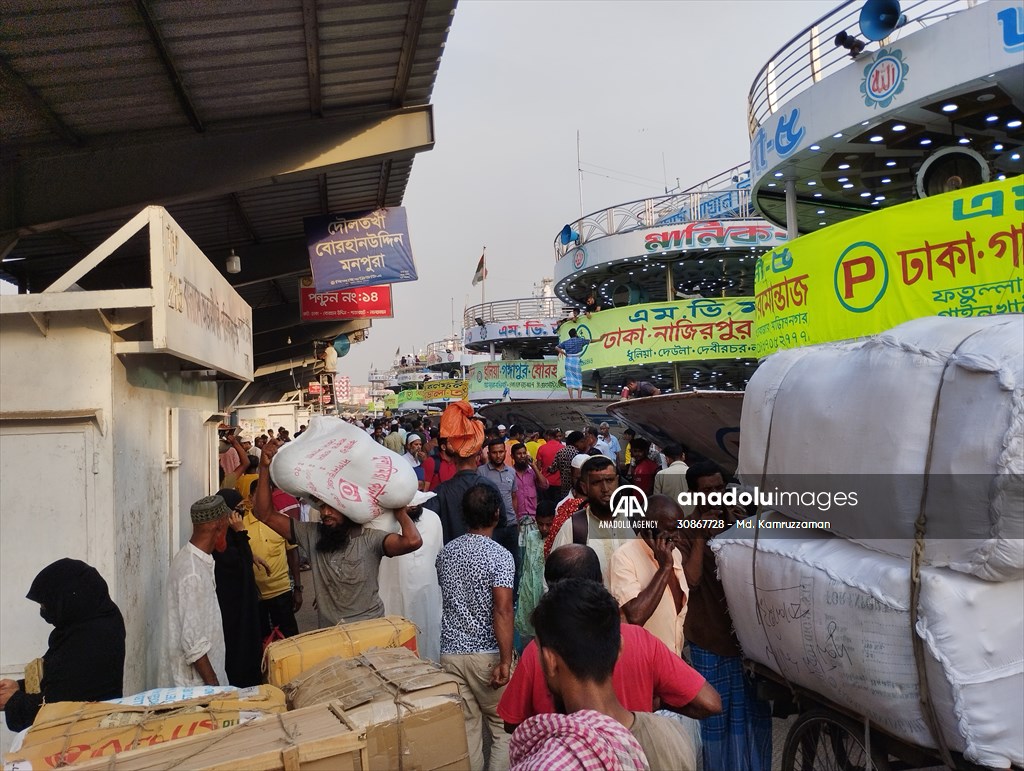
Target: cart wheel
x=823 y=741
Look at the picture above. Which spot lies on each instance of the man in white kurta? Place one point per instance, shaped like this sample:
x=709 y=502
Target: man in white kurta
x=193 y=641
x=409 y=588
x=602 y=533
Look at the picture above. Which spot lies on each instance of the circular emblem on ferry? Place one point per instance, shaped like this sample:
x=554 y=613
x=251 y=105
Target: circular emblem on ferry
x=451 y=357
x=884 y=78
x=861 y=277
x=579 y=258
x=584 y=331
x=480 y=376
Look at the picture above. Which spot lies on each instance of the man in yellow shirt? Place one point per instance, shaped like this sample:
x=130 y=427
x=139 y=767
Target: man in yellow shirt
x=534 y=443
x=280 y=587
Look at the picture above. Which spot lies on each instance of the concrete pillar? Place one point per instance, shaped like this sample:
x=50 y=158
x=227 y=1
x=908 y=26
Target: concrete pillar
x=791 y=225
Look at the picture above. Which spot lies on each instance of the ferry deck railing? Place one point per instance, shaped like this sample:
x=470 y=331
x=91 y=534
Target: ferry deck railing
x=725 y=195
x=812 y=55
x=513 y=310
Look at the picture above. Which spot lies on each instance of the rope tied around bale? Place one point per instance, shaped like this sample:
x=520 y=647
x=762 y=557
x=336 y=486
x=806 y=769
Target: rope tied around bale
x=917 y=560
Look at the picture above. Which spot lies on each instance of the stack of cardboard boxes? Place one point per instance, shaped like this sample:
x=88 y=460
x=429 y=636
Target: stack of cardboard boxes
x=357 y=706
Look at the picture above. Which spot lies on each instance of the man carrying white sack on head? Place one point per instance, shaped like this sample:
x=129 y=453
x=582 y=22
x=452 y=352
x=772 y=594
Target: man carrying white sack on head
x=344 y=555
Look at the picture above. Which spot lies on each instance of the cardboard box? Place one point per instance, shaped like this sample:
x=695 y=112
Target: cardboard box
x=404 y=704
x=287 y=659
x=318 y=738
x=312 y=739
x=381 y=675
x=68 y=733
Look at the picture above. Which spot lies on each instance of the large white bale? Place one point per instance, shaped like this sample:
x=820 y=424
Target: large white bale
x=931 y=410
x=339 y=464
x=834 y=617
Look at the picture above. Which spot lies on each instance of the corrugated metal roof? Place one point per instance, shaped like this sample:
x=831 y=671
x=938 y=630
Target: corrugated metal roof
x=78 y=72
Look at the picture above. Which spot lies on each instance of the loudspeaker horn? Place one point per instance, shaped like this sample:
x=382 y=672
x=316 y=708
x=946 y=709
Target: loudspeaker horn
x=568 y=236
x=878 y=18
x=949 y=169
x=342 y=345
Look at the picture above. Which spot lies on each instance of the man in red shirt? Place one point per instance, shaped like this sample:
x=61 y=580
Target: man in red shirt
x=646 y=668
x=546 y=460
x=437 y=467
x=284 y=502
x=644 y=469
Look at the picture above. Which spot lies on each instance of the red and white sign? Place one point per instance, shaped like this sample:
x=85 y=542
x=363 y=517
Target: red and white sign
x=315 y=388
x=367 y=302
x=342 y=388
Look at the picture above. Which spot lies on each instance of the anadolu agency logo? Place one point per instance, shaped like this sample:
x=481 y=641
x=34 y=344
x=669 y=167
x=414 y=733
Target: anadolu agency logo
x=629 y=509
x=628 y=501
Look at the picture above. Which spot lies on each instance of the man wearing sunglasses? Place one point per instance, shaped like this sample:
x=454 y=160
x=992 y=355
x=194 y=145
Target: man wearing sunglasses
x=344 y=556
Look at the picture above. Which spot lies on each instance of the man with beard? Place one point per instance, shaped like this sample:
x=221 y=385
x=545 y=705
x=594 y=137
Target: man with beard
x=591 y=525
x=529 y=483
x=344 y=555
x=193 y=642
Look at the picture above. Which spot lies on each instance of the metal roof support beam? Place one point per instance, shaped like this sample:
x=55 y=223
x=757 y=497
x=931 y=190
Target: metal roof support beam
x=236 y=202
x=7 y=243
x=165 y=59
x=311 y=28
x=269 y=260
x=11 y=81
x=120 y=177
x=274 y=346
x=280 y=292
x=410 y=42
x=277 y=317
x=382 y=188
x=321 y=183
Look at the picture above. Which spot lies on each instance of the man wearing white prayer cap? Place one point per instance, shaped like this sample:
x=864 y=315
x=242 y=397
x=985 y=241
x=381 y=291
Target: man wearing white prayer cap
x=414 y=454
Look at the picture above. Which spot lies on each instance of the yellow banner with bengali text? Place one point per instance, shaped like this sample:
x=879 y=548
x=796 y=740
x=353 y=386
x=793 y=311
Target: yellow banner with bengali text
x=390 y=401
x=956 y=254
x=684 y=330
x=435 y=390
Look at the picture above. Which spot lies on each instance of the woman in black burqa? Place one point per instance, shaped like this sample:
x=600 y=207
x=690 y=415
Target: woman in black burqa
x=85 y=658
x=239 y=601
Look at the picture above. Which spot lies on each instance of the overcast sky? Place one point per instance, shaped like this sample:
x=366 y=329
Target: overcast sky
x=655 y=89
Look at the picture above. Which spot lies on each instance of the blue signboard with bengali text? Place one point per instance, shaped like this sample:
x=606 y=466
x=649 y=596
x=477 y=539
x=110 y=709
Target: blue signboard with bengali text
x=354 y=250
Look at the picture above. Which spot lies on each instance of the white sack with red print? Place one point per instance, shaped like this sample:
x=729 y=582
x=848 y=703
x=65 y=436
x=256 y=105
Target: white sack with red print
x=339 y=464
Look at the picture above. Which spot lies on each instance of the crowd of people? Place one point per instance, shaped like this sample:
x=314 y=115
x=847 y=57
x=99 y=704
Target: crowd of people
x=575 y=645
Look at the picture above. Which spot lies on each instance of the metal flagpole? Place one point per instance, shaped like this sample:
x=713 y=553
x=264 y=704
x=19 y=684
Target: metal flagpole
x=579 y=170
x=483 y=278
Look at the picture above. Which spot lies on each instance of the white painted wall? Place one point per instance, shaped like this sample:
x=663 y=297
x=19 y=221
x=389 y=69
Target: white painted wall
x=84 y=440
x=151 y=502
x=257 y=418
